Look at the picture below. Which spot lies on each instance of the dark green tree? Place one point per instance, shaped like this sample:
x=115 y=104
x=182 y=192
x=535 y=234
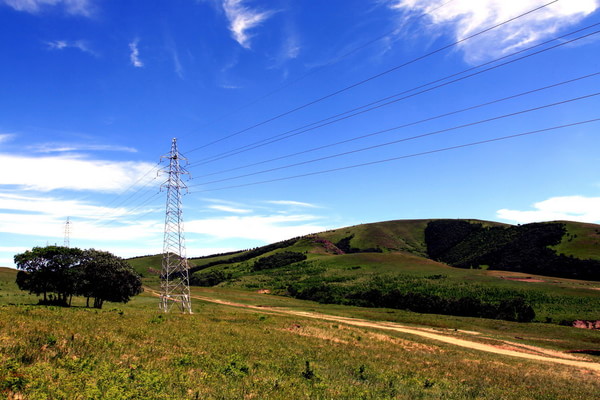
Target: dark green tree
x=49 y=270
x=106 y=277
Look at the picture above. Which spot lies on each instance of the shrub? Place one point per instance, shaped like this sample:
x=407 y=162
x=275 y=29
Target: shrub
x=209 y=278
x=278 y=260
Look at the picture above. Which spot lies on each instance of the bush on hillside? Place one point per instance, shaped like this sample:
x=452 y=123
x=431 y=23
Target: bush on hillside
x=278 y=260
x=388 y=294
x=209 y=278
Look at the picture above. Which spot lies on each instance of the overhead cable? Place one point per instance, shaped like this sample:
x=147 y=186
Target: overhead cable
x=406 y=125
x=497 y=139
x=437 y=132
x=429 y=54
x=349 y=114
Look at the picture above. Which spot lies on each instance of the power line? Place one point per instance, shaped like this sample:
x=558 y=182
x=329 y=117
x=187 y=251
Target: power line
x=402 y=140
x=404 y=125
x=372 y=77
x=351 y=113
x=313 y=71
x=497 y=139
x=134 y=183
x=114 y=210
x=132 y=211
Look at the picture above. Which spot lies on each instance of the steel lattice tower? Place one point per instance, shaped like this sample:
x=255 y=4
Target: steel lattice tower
x=174 y=277
x=67 y=242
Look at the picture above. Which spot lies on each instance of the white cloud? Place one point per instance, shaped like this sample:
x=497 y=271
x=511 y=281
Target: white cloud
x=176 y=62
x=570 y=208
x=6 y=262
x=64 y=148
x=74 y=7
x=70 y=172
x=466 y=17
x=34 y=205
x=292 y=203
x=134 y=56
x=242 y=19
x=229 y=209
x=269 y=229
x=292 y=48
x=77 y=44
x=58 y=44
x=6 y=137
x=16 y=249
x=230 y=87
x=44 y=216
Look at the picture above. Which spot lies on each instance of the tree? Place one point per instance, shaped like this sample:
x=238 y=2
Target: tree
x=66 y=272
x=106 y=277
x=50 y=269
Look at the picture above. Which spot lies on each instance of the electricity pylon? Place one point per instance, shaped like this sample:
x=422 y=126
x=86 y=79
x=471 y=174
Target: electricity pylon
x=67 y=242
x=174 y=276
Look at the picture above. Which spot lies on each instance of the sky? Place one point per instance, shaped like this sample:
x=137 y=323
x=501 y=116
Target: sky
x=294 y=116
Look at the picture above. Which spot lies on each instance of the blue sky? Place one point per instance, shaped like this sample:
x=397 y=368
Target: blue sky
x=93 y=91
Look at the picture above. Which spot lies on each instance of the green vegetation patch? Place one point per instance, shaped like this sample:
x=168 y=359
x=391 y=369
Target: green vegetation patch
x=225 y=353
x=581 y=240
x=278 y=260
x=524 y=248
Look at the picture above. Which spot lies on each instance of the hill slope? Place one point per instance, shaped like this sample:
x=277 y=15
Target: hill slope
x=390 y=264
x=523 y=248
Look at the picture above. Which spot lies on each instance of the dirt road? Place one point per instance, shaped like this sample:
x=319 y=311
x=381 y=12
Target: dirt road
x=506 y=348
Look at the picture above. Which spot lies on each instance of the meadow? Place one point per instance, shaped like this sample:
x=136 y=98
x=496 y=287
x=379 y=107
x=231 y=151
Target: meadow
x=131 y=351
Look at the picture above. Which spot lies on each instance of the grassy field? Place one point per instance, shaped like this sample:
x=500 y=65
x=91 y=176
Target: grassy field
x=268 y=346
x=582 y=241
x=553 y=299
x=131 y=351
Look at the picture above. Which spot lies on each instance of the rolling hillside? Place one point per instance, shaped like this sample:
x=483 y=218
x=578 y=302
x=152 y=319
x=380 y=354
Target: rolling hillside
x=400 y=264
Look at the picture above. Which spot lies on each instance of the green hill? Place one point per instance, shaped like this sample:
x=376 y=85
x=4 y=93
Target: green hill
x=506 y=272
x=567 y=246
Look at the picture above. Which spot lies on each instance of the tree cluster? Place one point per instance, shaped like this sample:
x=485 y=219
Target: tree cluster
x=376 y=294
x=59 y=273
x=209 y=278
x=278 y=260
x=524 y=248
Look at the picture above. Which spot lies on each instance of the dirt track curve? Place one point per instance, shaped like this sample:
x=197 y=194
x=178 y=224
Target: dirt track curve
x=516 y=349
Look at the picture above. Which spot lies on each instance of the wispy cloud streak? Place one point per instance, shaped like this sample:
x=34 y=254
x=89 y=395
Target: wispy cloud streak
x=81 y=45
x=134 y=55
x=292 y=203
x=6 y=137
x=73 y=7
x=242 y=19
x=229 y=209
x=67 y=148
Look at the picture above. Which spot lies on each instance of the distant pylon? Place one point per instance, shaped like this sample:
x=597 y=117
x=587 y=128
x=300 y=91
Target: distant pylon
x=174 y=277
x=67 y=242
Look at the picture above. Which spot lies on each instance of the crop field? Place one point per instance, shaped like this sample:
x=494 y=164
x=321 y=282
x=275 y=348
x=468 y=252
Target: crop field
x=131 y=351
